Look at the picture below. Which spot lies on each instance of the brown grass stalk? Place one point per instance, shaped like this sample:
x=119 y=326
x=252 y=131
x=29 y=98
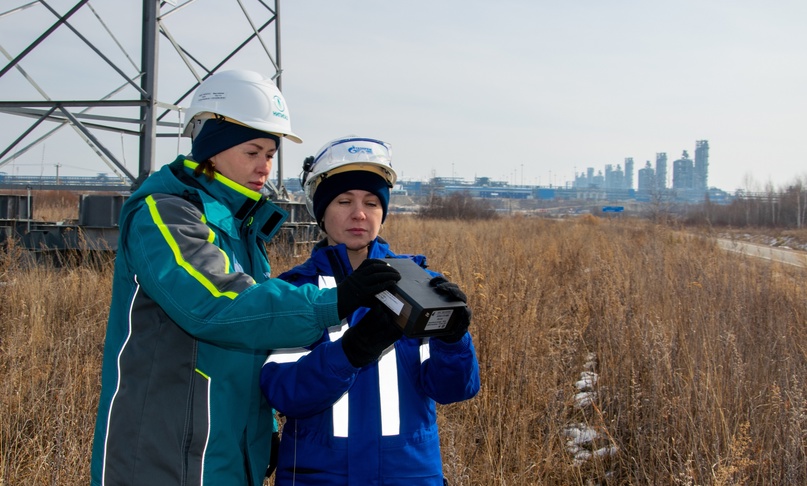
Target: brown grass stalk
x=701 y=356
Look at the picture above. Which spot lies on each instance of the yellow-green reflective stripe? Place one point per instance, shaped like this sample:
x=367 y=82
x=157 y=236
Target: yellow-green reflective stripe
x=238 y=187
x=226 y=261
x=155 y=216
x=210 y=239
x=255 y=196
x=200 y=372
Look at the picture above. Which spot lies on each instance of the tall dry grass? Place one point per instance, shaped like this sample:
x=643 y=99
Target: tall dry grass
x=701 y=357
x=51 y=339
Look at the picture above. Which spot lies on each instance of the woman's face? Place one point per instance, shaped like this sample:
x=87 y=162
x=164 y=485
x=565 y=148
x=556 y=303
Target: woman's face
x=248 y=163
x=353 y=218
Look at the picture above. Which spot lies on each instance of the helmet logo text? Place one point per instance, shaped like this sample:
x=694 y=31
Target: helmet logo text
x=215 y=95
x=358 y=150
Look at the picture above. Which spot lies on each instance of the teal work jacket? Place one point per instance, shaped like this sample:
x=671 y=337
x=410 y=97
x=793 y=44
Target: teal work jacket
x=193 y=316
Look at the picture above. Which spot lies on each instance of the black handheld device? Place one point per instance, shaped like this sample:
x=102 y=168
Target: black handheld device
x=421 y=311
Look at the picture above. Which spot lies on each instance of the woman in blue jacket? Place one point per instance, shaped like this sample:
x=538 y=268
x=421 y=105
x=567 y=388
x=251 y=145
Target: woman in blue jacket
x=360 y=402
x=193 y=310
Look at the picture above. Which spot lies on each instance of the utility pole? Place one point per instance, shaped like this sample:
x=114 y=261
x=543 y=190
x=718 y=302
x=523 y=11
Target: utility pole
x=148 y=84
x=133 y=108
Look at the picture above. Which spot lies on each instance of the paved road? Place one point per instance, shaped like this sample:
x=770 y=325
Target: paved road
x=789 y=257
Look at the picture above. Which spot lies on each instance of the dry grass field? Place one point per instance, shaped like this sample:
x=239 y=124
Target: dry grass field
x=699 y=358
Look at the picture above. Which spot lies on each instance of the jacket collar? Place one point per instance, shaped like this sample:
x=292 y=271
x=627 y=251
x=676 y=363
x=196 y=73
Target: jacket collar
x=333 y=260
x=226 y=204
x=229 y=205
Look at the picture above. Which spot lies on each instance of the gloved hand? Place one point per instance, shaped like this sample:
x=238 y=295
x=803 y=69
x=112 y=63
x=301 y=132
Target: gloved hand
x=452 y=290
x=364 y=342
x=359 y=288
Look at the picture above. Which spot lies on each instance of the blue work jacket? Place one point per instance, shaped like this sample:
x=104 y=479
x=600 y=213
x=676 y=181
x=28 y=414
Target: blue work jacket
x=373 y=425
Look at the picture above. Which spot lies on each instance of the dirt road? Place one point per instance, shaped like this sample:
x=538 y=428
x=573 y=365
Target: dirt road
x=781 y=255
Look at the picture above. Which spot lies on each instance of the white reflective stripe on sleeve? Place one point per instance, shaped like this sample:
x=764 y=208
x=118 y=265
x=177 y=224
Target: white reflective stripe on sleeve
x=340 y=408
x=326 y=282
x=335 y=332
x=340 y=416
x=388 y=391
x=424 y=350
x=288 y=355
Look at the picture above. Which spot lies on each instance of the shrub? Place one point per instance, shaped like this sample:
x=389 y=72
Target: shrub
x=457 y=206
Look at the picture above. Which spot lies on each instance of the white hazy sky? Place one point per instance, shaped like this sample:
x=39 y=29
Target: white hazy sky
x=515 y=90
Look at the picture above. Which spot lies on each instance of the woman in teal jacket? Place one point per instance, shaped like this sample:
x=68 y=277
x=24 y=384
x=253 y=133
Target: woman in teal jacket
x=193 y=310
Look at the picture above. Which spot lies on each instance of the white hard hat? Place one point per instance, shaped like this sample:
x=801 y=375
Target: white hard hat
x=244 y=97
x=345 y=154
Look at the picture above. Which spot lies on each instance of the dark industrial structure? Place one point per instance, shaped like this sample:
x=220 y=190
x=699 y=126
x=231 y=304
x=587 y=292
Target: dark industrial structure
x=131 y=109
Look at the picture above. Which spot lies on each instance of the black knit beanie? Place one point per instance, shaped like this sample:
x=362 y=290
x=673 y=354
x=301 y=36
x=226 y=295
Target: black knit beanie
x=218 y=135
x=336 y=184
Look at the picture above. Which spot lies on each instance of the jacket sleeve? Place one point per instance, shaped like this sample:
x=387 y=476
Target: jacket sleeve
x=170 y=251
x=301 y=383
x=451 y=374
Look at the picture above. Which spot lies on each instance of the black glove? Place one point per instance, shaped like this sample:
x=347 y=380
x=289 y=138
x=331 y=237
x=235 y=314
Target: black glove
x=359 y=288
x=452 y=290
x=364 y=342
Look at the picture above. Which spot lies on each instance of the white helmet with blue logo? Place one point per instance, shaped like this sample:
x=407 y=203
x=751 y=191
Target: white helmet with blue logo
x=346 y=154
x=243 y=97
